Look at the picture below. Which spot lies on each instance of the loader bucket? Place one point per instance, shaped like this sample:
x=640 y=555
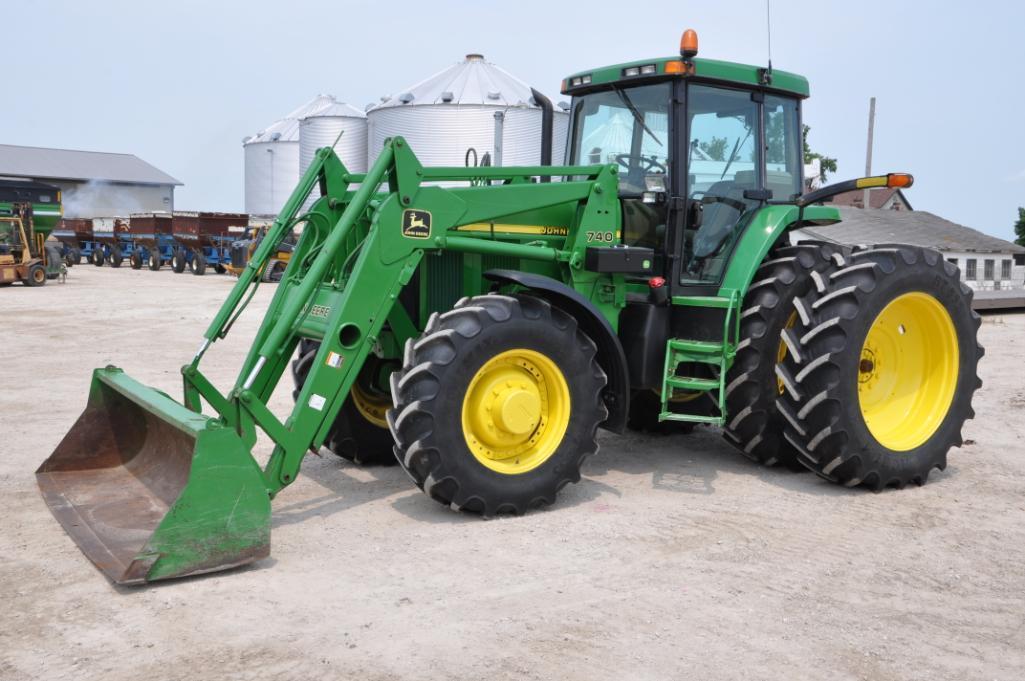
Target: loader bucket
x=151 y=490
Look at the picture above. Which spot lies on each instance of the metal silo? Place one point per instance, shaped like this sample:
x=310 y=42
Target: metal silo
x=454 y=110
x=272 y=160
x=321 y=129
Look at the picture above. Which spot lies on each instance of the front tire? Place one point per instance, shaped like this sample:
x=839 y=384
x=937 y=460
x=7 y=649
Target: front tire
x=881 y=369
x=360 y=432
x=36 y=275
x=497 y=404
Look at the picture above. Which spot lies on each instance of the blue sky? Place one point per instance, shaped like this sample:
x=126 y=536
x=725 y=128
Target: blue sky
x=180 y=82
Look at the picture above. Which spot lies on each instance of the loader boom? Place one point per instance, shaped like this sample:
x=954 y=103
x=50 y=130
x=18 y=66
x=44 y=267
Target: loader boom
x=350 y=266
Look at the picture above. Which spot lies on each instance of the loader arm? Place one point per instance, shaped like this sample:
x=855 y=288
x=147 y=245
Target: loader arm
x=343 y=283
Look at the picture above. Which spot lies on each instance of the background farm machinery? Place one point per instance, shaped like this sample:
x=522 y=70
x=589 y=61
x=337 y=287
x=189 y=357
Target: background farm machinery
x=183 y=240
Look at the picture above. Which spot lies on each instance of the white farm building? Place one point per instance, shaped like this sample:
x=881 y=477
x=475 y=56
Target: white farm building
x=986 y=262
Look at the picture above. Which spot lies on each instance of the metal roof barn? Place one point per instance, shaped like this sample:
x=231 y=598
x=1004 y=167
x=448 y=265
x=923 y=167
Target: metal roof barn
x=92 y=182
x=454 y=110
x=272 y=159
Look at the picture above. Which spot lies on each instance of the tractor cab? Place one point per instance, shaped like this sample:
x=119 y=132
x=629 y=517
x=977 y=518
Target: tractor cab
x=699 y=144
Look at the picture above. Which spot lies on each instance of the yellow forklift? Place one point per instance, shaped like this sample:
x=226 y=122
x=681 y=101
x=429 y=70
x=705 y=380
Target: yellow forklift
x=24 y=254
x=242 y=251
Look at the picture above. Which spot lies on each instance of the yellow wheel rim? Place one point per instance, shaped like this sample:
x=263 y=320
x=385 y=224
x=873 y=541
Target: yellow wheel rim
x=372 y=407
x=781 y=351
x=907 y=372
x=516 y=411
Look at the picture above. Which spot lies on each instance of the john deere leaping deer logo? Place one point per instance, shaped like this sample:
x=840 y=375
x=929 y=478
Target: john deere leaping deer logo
x=416 y=224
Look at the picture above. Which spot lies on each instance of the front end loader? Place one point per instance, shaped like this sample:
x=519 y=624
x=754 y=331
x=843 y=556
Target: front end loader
x=477 y=326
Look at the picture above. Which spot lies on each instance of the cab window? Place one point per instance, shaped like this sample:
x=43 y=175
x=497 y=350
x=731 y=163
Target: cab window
x=783 y=148
x=723 y=162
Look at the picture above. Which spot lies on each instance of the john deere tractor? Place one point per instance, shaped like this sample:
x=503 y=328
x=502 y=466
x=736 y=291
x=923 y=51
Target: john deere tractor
x=481 y=334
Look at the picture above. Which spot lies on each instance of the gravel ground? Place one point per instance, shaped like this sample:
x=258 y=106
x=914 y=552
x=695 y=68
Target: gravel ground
x=673 y=558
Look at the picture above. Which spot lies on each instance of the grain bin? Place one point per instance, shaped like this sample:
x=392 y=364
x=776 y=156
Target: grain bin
x=322 y=129
x=454 y=110
x=272 y=159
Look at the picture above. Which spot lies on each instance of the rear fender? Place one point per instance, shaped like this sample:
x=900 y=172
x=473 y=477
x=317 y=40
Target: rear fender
x=764 y=231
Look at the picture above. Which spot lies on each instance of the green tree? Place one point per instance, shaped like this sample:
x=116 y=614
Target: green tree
x=715 y=148
x=826 y=164
x=1019 y=227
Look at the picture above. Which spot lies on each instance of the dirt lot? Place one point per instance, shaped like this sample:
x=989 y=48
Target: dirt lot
x=673 y=558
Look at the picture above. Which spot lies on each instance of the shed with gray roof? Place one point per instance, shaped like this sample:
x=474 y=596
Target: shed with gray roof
x=93 y=183
x=986 y=262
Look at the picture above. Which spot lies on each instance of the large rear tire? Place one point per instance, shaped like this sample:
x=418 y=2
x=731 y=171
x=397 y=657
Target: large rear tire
x=754 y=426
x=881 y=368
x=497 y=404
x=360 y=432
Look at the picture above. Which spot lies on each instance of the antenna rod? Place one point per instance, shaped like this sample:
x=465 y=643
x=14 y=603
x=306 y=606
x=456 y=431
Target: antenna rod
x=868 y=152
x=768 y=29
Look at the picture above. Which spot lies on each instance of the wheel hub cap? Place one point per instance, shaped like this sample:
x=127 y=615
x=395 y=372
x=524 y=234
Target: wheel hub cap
x=515 y=411
x=907 y=371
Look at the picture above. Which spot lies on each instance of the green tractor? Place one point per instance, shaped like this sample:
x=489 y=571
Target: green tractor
x=481 y=335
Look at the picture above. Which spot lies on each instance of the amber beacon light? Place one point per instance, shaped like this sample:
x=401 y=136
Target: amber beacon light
x=689 y=44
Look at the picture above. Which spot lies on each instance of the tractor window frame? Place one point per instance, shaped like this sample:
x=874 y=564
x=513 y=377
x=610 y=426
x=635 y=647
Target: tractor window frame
x=639 y=135
x=680 y=286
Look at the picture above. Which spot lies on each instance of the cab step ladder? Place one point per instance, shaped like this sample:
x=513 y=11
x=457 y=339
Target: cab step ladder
x=718 y=354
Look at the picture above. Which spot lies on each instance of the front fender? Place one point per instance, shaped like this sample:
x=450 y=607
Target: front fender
x=610 y=356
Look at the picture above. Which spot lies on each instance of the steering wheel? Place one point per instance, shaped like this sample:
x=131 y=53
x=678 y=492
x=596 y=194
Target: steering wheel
x=649 y=163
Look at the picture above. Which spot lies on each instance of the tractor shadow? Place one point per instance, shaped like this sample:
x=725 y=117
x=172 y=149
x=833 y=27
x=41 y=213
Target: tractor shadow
x=682 y=463
x=690 y=463
x=344 y=486
x=418 y=506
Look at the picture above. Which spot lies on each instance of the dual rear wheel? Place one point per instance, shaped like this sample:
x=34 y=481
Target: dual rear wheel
x=880 y=368
x=858 y=365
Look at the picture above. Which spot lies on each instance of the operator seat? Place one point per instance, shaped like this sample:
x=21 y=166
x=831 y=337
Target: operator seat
x=718 y=217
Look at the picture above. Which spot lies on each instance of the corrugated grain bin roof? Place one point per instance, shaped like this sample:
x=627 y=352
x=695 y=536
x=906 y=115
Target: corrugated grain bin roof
x=70 y=164
x=287 y=128
x=337 y=109
x=471 y=81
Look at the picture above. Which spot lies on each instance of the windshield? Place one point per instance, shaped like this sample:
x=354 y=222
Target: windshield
x=628 y=127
